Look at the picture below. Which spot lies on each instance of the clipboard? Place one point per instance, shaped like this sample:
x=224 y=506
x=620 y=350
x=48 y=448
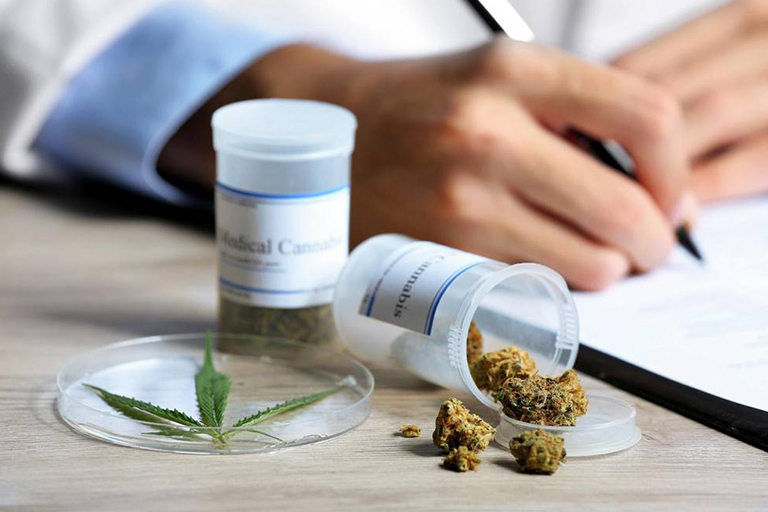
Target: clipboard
x=744 y=423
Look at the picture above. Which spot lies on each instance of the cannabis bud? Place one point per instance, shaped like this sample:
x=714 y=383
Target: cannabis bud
x=474 y=344
x=491 y=370
x=544 y=400
x=455 y=426
x=537 y=451
x=410 y=430
x=462 y=459
x=313 y=324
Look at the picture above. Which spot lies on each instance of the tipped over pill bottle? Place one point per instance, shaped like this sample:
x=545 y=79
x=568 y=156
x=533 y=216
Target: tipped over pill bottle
x=282 y=215
x=409 y=304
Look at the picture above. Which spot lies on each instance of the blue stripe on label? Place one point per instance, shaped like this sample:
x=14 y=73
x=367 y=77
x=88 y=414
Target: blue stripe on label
x=281 y=196
x=262 y=290
x=383 y=275
x=441 y=292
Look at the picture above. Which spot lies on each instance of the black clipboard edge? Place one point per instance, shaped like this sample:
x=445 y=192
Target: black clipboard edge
x=744 y=423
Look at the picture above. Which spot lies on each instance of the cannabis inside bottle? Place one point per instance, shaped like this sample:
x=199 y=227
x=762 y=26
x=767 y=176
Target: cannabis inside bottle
x=409 y=304
x=282 y=215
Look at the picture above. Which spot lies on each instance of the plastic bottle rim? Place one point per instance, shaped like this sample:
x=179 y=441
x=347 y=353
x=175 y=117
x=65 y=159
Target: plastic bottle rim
x=568 y=325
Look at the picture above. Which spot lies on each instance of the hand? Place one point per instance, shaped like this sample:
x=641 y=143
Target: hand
x=717 y=67
x=466 y=150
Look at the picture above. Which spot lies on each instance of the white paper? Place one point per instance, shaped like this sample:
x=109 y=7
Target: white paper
x=705 y=326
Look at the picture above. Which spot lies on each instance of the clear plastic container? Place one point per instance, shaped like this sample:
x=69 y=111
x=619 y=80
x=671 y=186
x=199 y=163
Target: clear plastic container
x=282 y=214
x=608 y=427
x=527 y=305
x=409 y=304
x=162 y=369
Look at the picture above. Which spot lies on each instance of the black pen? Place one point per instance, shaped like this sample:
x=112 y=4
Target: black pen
x=500 y=17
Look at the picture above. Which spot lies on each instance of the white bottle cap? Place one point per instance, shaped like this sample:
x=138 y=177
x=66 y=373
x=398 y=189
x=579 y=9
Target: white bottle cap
x=608 y=427
x=280 y=129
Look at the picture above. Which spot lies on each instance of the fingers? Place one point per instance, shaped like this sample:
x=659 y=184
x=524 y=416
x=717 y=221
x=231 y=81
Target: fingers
x=530 y=235
x=716 y=67
x=689 y=209
x=695 y=40
x=724 y=117
x=612 y=105
x=736 y=63
x=482 y=216
x=494 y=121
x=742 y=171
x=609 y=207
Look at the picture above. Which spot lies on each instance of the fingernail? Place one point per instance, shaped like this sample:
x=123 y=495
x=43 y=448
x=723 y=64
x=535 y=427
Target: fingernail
x=686 y=210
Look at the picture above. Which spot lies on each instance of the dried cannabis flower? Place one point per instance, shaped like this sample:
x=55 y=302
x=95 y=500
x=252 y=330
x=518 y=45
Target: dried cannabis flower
x=492 y=369
x=474 y=344
x=537 y=451
x=455 y=426
x=410 y=430
x=544 y=400
x=462 y=459
x=312 y=324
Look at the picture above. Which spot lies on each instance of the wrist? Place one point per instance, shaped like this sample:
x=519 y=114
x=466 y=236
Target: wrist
x=302 y=71
x=296 y=71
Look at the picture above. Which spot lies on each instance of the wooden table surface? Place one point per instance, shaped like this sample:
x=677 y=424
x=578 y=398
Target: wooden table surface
x=82 y=268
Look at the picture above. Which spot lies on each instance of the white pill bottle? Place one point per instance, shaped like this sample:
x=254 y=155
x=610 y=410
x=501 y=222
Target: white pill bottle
x=282 y=215
x=406 y=303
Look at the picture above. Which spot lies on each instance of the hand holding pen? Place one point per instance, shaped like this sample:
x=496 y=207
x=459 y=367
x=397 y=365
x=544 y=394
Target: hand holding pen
x=465 y=149
x=501 y=18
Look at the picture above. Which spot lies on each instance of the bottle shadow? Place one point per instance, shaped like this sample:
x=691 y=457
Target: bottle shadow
x=87 y=198
x=421 y=448
x=133 y=323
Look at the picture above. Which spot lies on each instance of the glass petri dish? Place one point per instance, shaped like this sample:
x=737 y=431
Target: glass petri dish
x=162 y=369
x=607 y=427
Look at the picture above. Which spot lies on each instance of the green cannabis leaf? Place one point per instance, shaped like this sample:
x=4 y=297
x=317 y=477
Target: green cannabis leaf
x=143 y=411
x=212 y=390
x=176 y=433
x=284 y=407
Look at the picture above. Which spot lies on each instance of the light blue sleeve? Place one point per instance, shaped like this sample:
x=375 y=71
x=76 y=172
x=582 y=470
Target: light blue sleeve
x=115 y=116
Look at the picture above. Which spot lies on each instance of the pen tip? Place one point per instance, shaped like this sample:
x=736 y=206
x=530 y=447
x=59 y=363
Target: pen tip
x=685 y=240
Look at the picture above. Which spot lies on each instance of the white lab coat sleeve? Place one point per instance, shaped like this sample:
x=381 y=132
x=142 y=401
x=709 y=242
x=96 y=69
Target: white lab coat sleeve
x=115 y=116
x=43 y=44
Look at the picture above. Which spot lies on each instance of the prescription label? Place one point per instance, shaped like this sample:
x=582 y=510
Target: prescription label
x=408 y=287
x=282 y=251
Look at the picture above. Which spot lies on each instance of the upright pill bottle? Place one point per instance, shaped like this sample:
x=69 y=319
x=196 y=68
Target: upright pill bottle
x=282 y=215
x=409 y=304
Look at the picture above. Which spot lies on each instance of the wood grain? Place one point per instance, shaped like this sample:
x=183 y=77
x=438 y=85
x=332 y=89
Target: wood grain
x=77 y=272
